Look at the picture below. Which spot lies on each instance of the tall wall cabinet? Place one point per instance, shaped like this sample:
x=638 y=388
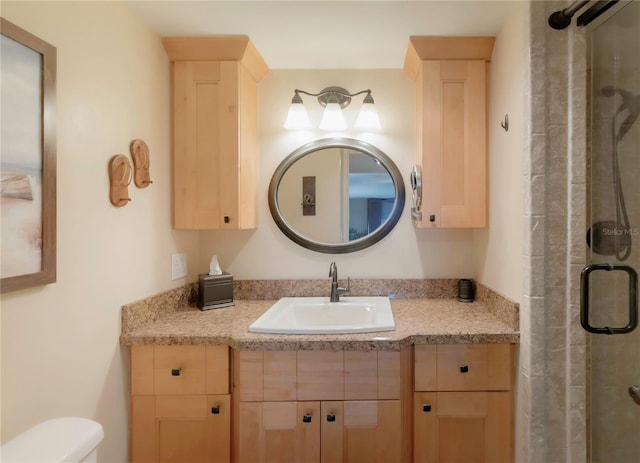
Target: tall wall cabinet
x=450 y=74
x=215 y=131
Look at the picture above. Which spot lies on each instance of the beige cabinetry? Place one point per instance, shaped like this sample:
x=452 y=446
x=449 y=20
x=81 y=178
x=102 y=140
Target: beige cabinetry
x=180 y=404
x=215 y=133
x=450 y=75
x=463 y=404
x=319 y=406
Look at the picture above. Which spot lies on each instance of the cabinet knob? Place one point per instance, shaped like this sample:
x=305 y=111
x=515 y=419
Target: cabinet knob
x=426 y=407
x=215 y=410
x=331 y=417
x=306 y=418
x=175 y=371
x=464 y=368
x=432 y=218
x=227 y=219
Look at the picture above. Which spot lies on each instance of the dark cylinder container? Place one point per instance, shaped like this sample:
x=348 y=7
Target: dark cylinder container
x=465 y=290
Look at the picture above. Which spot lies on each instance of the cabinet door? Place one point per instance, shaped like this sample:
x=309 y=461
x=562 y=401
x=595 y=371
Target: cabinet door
x=177 y=429
x=361 y=432
x=469 y=427
x=454 y=143
x=205 y=144
x=278 y=432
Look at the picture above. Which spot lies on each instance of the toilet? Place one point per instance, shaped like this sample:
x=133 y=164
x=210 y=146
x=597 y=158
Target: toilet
x=59 y=440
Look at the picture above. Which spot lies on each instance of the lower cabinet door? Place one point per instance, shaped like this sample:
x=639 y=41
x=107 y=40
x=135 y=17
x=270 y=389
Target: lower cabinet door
x=457 y=427
x=361 y=432
x=179 y=429
x=279 y=432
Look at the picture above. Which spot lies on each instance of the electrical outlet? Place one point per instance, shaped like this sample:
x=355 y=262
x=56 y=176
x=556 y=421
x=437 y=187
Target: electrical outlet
x=178 y=266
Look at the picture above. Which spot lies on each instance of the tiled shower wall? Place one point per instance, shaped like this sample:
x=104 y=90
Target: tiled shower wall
x=553 y=389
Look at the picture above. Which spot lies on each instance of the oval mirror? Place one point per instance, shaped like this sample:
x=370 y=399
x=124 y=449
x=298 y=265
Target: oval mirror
x=336 y=195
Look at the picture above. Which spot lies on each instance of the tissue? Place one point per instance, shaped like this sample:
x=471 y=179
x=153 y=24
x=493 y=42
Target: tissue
x=214 y=266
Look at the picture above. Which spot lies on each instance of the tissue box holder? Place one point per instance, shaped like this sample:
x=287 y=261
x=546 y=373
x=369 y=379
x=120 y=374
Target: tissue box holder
x=215 y=291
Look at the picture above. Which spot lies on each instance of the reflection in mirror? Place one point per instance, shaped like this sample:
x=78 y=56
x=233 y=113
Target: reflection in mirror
x=336 y=195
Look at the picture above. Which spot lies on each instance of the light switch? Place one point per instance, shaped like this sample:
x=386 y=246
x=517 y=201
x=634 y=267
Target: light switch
x=178 y=266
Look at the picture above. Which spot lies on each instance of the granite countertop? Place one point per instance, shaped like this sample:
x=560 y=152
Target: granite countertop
x=418 y=320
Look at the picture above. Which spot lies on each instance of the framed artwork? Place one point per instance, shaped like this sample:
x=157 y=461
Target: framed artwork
x=27 y=159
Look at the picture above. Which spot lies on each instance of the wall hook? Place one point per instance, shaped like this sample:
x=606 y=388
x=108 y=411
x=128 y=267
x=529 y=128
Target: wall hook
x=505 y=124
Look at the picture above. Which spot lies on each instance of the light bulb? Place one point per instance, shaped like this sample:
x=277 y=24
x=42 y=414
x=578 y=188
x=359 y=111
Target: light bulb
x=332 y=118
x=297 y=117
x=368 y=117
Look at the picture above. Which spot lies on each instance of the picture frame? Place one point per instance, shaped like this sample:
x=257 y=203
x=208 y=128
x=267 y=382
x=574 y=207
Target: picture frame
x=27 y=160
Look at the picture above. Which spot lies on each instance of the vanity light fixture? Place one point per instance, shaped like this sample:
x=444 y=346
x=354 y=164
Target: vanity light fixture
x=334 y=100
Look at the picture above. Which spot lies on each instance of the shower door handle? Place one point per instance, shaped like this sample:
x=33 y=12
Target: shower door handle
x=633 y=299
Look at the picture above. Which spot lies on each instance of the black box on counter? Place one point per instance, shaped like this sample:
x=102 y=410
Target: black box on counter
x=215 y=291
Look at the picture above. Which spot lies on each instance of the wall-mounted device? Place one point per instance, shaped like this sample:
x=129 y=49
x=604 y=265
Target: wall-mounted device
x=416 y=188
x=309 y=195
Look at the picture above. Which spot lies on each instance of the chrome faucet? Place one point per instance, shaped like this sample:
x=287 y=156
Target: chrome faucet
x=336 y=291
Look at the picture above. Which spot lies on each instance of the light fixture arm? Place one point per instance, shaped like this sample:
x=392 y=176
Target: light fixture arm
x=333 y=95
x=333 y=100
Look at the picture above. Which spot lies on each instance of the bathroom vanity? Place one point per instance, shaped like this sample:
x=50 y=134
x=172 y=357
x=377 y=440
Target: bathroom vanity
x=437 y=388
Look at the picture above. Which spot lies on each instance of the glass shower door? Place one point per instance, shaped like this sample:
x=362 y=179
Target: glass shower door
x=610 y=296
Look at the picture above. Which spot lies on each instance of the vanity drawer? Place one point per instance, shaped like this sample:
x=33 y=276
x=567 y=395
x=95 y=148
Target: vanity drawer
x=171 y=370
x=463 y=367
x=474 y=367
x=317 y=375
x=179 y=370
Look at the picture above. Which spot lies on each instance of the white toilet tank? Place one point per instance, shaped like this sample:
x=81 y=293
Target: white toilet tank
x=68 y=440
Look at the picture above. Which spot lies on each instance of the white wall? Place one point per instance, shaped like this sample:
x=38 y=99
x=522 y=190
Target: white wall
x=499 y=247
x=60 y=350
x=406 y=252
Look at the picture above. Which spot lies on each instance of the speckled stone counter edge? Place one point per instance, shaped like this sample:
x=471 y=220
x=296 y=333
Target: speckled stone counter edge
x=151 y=309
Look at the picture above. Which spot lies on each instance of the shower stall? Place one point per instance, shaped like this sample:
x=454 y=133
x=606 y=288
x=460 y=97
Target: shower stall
x=609 y=292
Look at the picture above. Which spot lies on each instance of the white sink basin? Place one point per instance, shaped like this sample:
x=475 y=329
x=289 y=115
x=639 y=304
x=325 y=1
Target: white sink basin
x=316 y=315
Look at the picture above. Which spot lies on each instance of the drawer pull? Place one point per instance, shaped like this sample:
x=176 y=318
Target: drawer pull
x=331 y=417
x=426 y=407
x=464 y=368
x=306 y=418
x=175 y=371
x=215 y=410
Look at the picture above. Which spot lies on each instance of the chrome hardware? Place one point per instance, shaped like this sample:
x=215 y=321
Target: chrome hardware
x=505 y=123
x=416 y=187
x=336 y=291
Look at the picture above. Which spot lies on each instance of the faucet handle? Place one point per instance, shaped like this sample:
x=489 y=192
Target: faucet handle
x=344 y=290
